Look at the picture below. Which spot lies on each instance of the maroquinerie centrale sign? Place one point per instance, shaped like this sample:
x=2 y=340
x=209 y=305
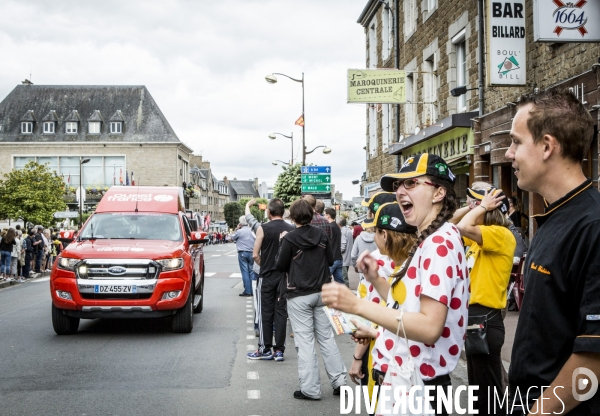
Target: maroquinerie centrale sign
x=566 y=21
x=376 y=86
x=506 y=42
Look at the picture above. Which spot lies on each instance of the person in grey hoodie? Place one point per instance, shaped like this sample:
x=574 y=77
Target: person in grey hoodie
x=364 y=241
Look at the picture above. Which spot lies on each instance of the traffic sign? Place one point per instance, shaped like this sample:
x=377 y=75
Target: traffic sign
x=316 y=178
x=326 y=196
x=316 y=188
x=316 y=169
x=66 y=214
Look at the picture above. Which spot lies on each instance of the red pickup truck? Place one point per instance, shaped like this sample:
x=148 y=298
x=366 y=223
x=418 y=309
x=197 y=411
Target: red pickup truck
x=136 y=257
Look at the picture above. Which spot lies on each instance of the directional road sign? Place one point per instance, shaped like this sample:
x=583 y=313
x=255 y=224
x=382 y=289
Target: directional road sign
x=316 y=169
x=316 y=178
x=319 y=195
x=316 y=188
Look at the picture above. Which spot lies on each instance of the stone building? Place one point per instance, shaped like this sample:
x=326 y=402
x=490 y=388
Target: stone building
x=438 y=41
x=213 y=193
x=120 y=129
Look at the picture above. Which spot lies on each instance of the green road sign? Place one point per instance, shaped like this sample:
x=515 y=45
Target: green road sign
x=316 y=188
x=316 y=178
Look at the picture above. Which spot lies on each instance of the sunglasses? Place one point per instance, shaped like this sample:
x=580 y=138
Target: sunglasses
x=410 y=183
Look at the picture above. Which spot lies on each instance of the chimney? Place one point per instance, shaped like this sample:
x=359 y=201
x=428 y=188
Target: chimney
x=26 y=82
x=226 y=180
x=256 y=184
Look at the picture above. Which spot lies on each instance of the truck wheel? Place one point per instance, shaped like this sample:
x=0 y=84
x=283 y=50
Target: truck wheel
x=183 y=321
x=63 y=324
x=200 y=292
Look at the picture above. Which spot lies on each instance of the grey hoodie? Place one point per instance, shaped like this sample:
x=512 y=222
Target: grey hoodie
x=365 y=241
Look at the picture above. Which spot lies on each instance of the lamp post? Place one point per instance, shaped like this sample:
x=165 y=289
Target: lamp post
x=81 y=190
x=291 y=136
x=326 y=150
x=272 y=79
x=280 y=161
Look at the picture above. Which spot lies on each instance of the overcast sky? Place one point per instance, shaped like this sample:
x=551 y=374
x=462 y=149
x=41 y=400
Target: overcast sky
x=204 y=62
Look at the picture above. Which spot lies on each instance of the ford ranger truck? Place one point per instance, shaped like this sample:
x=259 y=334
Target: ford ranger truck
x=135 y=257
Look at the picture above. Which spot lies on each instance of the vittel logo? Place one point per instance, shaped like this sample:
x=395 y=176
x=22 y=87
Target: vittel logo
x=163 y=198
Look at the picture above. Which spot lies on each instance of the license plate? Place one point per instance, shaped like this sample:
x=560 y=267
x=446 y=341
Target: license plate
x=115 y=289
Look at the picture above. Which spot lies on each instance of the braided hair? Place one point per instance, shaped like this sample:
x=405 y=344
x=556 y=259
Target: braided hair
x=449 y=205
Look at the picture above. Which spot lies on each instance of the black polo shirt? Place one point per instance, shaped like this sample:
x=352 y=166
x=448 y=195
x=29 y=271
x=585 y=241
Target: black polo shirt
x=561 y=306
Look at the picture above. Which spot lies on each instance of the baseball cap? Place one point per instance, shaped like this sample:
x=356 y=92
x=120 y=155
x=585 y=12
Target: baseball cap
x=419 y=165
x=389 y=217
x=478 y=195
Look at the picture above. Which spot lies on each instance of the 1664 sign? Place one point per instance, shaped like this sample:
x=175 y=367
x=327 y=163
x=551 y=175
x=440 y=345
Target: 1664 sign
x=566 y=21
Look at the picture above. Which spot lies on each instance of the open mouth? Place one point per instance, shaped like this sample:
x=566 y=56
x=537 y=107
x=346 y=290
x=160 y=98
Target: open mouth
x=406 y=208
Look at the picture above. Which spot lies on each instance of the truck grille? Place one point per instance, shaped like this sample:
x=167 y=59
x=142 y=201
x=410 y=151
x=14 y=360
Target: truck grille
x=117 y=269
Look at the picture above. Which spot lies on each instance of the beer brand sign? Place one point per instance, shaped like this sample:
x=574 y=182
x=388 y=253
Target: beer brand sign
x=563 y=21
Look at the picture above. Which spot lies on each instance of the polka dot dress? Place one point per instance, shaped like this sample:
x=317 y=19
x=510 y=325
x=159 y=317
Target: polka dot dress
x=438 y=270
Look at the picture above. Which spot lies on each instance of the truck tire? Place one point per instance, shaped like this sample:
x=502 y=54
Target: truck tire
x=183 y=321
x=63 y=324
x=200 y=291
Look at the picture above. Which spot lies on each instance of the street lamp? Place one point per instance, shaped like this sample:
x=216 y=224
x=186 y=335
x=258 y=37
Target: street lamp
x=327 y=150
x=280 y=161
x=272 y=79
x=291 y=136
x=81 y=190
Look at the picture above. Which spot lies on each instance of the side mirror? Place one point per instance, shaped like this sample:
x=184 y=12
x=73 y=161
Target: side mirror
x=198 y=237
x=201 y=241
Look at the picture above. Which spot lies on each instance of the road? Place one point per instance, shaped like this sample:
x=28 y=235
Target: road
x=138 y=367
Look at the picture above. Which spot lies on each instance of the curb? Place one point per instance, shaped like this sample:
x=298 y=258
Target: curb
x=33 y=276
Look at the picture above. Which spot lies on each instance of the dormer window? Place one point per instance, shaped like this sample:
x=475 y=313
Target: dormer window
x=26 y=127
x=94 y=127
x=71 y=127
x=49 y=127
x=116 y=127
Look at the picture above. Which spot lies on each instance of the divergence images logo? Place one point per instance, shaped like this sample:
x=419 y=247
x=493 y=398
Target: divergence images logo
x=163 y=198
x=584 y=379
x=570 y=16
x=509 y=64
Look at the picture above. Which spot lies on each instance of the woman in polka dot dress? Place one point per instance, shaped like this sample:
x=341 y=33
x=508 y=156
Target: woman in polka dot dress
x=433 y=285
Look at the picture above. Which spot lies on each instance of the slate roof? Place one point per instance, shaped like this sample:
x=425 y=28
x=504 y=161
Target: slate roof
x=51 y=116
x=242 y=188
x=143 y=120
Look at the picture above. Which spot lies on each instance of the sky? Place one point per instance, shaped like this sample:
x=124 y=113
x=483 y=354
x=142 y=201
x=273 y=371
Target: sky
x=204 y=62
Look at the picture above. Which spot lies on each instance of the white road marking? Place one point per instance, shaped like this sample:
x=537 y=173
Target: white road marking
x=249 y=316
x=249 y=321
x=250 y=347
x=43 y=279
x=231 y=255
x=250 y=336
x=252 y=375
x=254 y=394
x=235 y=275
x=209 y=274
x=250 y=328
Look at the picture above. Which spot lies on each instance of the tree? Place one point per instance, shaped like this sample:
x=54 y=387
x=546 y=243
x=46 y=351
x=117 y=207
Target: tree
x=33 y=193
x=288 y=186
x=233 y=211
x=258 y=213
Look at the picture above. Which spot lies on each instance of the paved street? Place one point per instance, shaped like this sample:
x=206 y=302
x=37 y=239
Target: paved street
x=138 y=367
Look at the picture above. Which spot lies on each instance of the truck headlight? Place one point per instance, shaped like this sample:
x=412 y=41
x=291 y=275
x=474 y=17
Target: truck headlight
x=66 y=263
x=170 y=264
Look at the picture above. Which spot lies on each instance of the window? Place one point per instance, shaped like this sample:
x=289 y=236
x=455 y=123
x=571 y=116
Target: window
x=385 y=33
x=72 y=127
x=373 y=46
x=372 y=130
x=430 y=91
x=410 y=17
x=114 y=167
x=385 y=126
x=27 y=127
x=94 y=127
x=461 y=68
x=409 y=107
x=49 y=127
x=116 y=127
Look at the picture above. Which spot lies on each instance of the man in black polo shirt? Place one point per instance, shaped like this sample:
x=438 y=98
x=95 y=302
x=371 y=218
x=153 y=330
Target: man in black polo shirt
x=558 y=332
x=271 y=309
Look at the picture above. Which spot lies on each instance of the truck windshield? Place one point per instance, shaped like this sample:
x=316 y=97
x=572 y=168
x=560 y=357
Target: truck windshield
x=133 y=226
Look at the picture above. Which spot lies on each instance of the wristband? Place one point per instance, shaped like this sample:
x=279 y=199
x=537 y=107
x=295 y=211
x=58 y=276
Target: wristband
x=357 y=359
x=484 y=208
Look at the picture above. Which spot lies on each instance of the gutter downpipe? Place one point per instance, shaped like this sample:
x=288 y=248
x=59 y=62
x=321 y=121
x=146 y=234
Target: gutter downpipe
x=397 y=64
x=480 y=11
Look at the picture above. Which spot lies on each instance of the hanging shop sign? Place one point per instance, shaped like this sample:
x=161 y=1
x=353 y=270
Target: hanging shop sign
x=450 y=146
x=376 y=86
x=566 y=21
x=506 y=42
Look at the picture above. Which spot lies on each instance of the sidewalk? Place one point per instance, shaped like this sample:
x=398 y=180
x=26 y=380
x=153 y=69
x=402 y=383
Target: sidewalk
x=32 y=276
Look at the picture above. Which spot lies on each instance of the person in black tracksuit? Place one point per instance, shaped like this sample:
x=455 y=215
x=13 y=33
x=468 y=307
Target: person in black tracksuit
x=29 y=247
x=270 y=307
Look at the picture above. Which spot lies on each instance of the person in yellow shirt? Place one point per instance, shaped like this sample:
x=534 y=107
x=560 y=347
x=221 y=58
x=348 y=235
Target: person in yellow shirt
x=491 y=246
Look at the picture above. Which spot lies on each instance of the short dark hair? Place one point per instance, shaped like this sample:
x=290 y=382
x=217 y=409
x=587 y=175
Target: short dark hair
x=559 y=113
x=319 y=206
x=311 y=200
x=31 y=232
x=330 y=212
x=342 y=221
x=276 y=207
x=301 y=212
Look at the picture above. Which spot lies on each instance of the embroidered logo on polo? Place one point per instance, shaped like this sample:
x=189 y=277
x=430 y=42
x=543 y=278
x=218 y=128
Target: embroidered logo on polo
x=385 y=220
x=539 y=268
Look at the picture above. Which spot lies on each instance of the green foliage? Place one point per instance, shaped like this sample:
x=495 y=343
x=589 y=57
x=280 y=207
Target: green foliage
x=288 y=186
x=258 y=213
x=233 y=211
x=33 y=193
